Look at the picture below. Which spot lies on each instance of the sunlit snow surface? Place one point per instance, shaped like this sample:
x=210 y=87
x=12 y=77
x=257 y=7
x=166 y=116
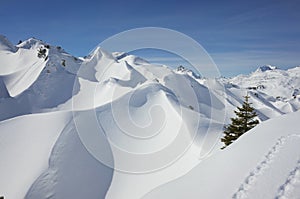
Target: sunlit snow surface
x=112 y=125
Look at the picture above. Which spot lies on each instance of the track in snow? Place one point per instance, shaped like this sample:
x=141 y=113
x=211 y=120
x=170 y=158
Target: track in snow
x=261 y=168
x=291 y=185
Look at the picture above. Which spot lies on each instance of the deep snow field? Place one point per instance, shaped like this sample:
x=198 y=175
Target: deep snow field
x=114 y=126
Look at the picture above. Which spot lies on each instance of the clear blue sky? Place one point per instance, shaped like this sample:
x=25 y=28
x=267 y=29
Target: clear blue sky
x=239 y=35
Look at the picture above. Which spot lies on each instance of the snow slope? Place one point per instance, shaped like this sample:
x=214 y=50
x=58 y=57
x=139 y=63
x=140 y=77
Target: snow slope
x=30 y=83
x=263 y=163
x=26 y=143
x=112 y=125
x=72 y=171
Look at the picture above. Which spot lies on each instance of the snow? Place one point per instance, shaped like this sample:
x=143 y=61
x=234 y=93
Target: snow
x=266 y=68
x=6 y=45
x=112 y=125
x=26 y=143
x=257 y=166
x=72 y=171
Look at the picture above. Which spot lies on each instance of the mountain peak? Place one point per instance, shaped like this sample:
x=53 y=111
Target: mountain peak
x=29 y=43
x=266 y=68
x=98 y=53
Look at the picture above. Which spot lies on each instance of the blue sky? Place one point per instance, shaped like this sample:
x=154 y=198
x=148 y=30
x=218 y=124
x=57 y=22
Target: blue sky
x=239 y=35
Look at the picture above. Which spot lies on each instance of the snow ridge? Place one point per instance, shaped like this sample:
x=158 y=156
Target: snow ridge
x=6 y=45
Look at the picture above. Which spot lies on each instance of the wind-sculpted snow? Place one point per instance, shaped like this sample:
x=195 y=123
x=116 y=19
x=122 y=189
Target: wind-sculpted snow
x=73 y=172
x=53 y=83
x=112 y=125
x=26 y=143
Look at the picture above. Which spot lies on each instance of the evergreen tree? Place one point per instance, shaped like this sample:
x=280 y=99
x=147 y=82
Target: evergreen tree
x=244 y=121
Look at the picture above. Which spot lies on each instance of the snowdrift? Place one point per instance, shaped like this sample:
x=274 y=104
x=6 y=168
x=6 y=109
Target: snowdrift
x=26 y=144
x=112 y=125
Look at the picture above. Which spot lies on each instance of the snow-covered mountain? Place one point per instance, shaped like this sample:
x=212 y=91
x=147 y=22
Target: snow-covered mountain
x=265 y=68
x=112 y=125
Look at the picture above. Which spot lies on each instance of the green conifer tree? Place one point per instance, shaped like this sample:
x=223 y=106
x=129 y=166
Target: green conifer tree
x=243 y=122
